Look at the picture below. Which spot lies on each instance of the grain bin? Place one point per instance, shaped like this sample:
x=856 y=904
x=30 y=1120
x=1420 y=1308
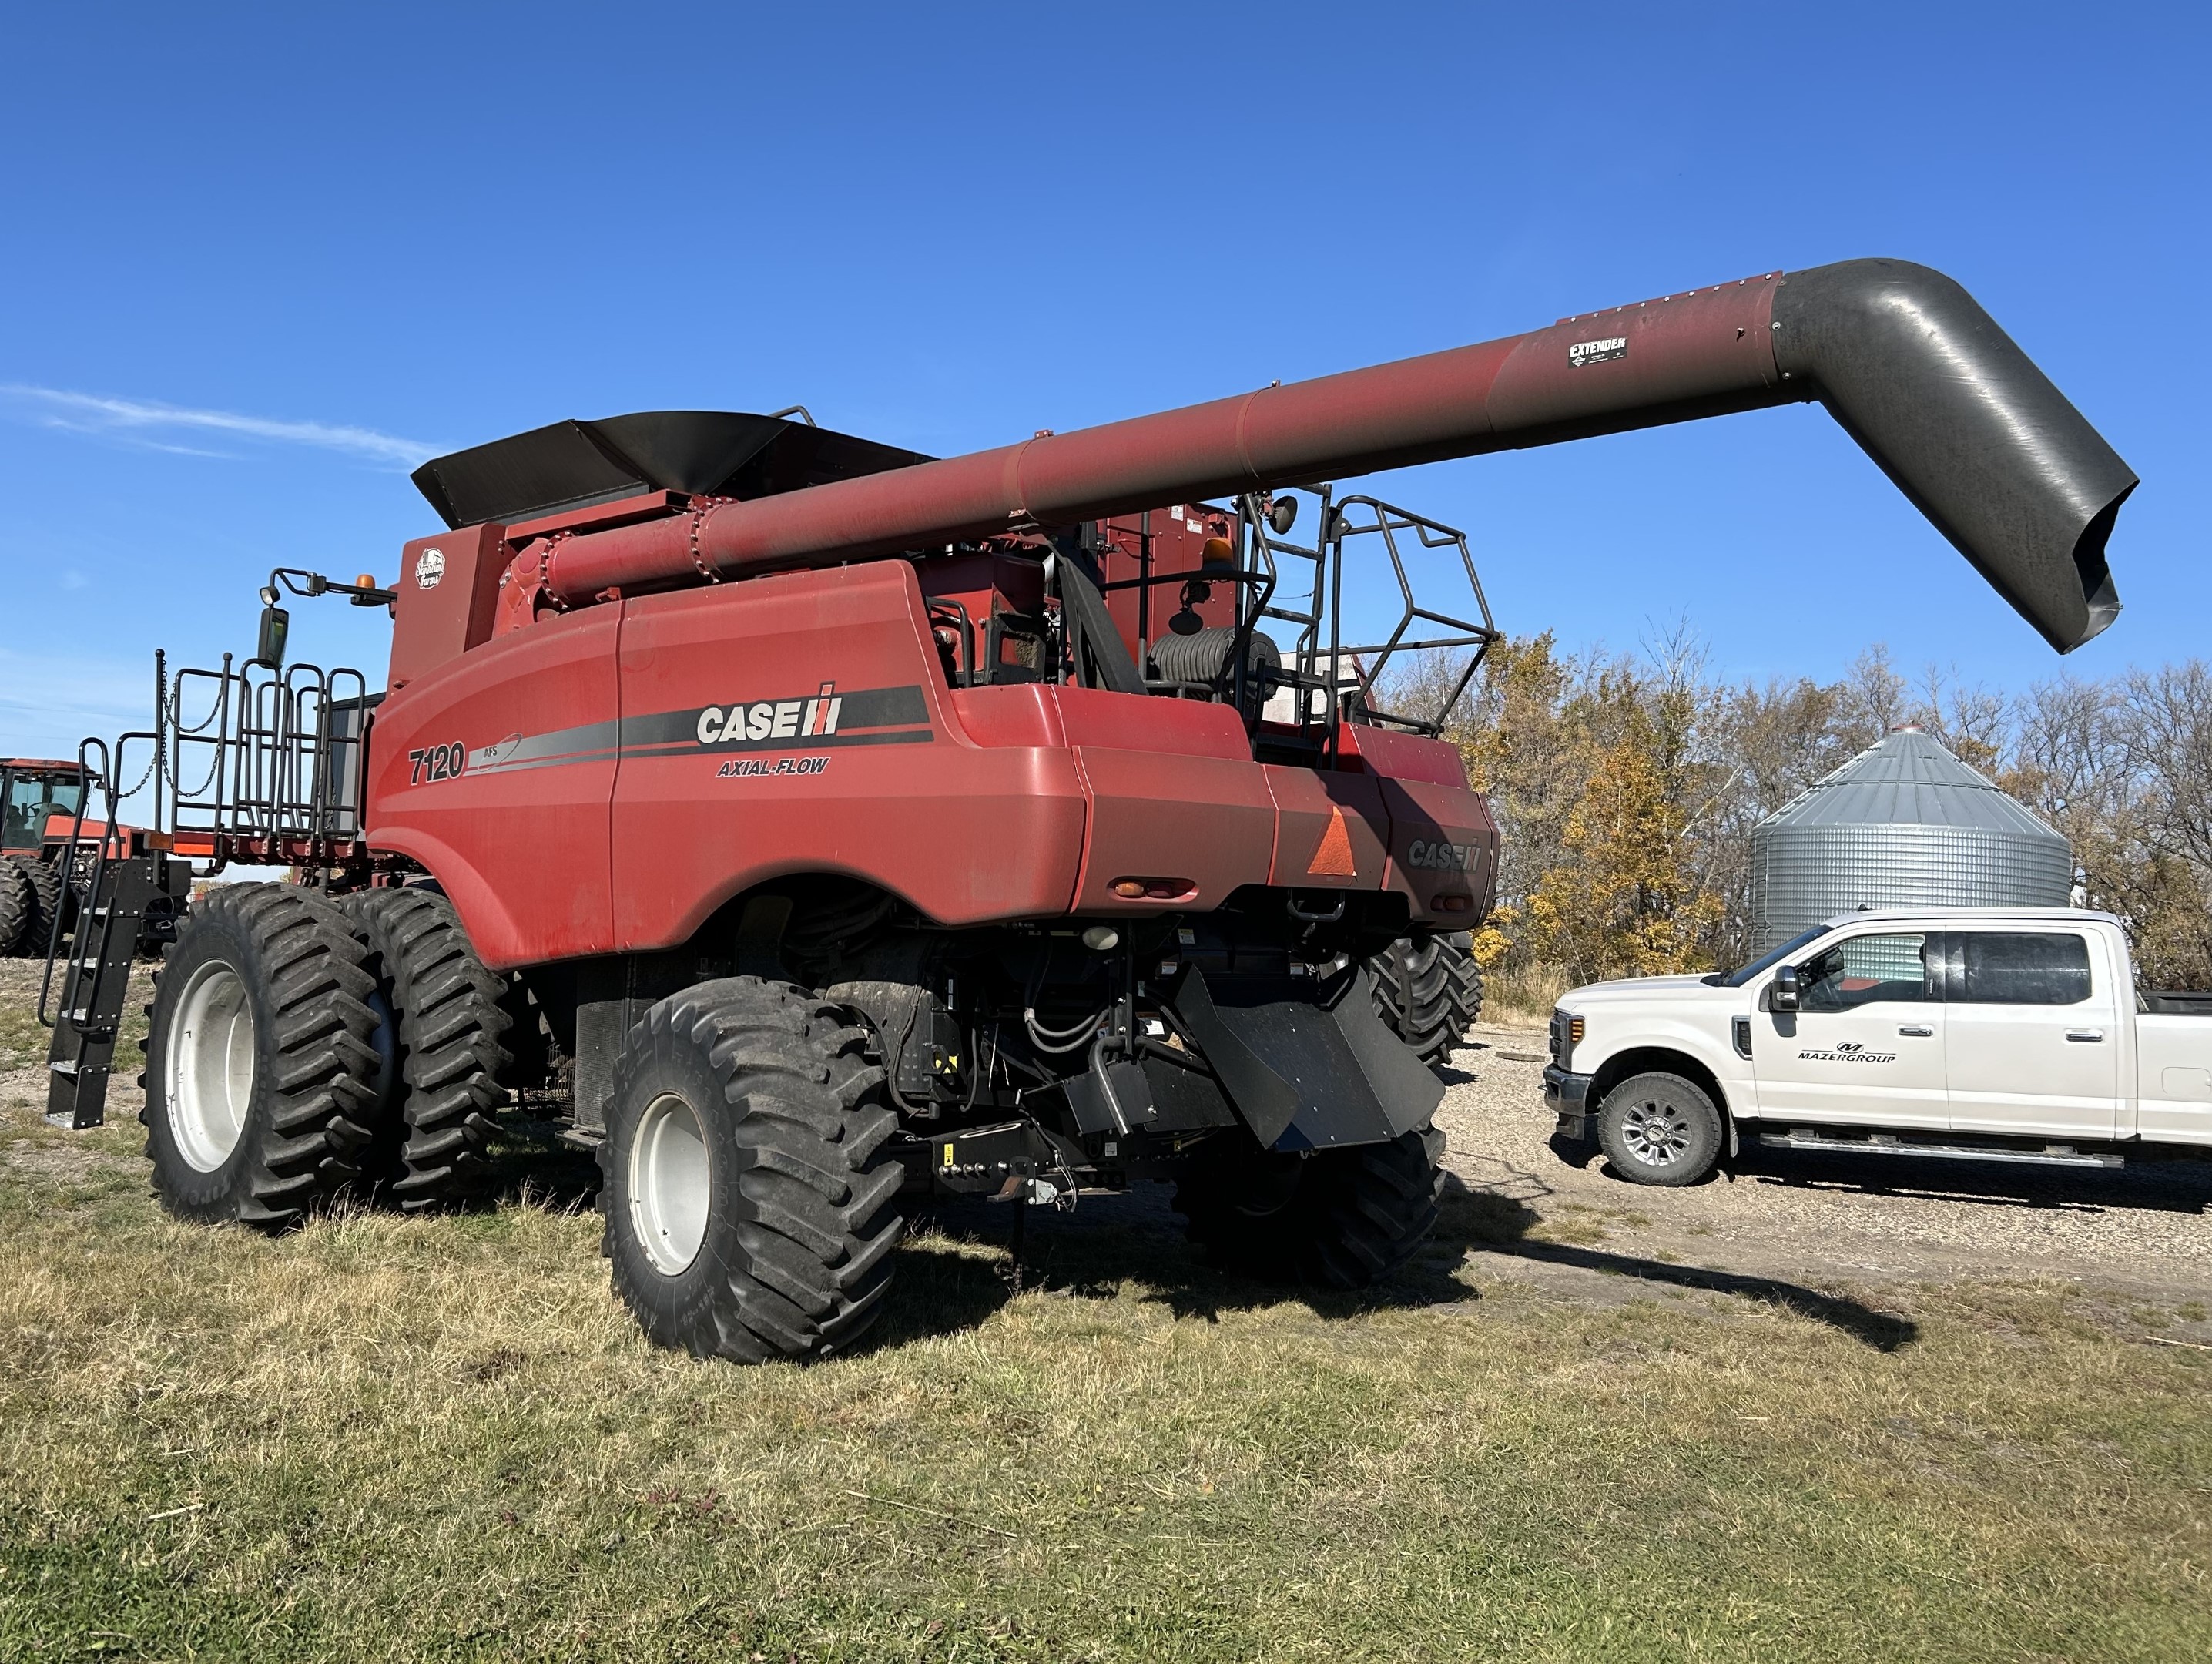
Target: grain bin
x=1904 y=824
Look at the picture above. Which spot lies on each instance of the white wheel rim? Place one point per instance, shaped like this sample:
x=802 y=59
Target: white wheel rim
x=670 y=1184
x=209 y=1070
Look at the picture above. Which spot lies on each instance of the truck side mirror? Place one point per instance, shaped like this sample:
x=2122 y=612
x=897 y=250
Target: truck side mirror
x=1786 y=989
x=275 y=624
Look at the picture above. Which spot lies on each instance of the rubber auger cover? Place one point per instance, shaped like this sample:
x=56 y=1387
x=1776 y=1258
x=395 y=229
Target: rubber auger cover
x=1307 y=1064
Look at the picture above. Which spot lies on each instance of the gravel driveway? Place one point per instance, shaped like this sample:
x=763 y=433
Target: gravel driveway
x=1794 y=1215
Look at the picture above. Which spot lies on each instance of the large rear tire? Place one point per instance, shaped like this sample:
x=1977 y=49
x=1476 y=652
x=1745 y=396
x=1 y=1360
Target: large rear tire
x=747 y=1193
x=446 y=1024
x=17 y=905
x=1429 y=990
x=260 y=1070
x=1333 y=1218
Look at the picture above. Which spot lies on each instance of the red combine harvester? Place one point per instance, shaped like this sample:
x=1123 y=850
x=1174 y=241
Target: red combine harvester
x=859 y=826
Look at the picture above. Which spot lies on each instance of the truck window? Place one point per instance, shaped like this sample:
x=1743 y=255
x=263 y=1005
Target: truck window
x=1863 y=970
x=2042 y=967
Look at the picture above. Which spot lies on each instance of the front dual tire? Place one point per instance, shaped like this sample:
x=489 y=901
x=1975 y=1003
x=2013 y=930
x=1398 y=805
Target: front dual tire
x=261 y=1066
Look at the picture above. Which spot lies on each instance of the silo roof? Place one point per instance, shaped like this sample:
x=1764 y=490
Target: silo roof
x=1908 y=779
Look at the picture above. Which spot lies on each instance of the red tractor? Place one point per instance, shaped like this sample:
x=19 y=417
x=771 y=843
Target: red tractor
x=35 y=793
x=858 y=827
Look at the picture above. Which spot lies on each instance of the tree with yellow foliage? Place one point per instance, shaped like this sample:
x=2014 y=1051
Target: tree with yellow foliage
x=1623 y=902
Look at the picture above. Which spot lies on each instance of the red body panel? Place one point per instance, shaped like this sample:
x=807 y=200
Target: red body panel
x=519 y=836
x=448 y=587
x=1444 y=841
x=965 y=833
x=1156 y=814
x=1311 y=852
x=605 y=780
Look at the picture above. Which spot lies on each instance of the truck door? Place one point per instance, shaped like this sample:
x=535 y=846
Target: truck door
x=1866 y=1045
x=2032 y=1037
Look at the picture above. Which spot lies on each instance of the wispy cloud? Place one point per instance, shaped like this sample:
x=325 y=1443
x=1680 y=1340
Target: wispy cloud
x=144 y=421
x=49 y=701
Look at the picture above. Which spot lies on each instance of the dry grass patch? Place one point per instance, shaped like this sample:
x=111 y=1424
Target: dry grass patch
x=440 y=1438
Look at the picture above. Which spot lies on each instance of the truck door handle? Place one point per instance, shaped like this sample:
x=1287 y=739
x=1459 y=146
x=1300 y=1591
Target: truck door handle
x=2084 y=1035
x=1918 y=1030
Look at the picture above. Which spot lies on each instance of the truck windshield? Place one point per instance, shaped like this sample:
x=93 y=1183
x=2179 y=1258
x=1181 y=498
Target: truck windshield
x=1773 y=956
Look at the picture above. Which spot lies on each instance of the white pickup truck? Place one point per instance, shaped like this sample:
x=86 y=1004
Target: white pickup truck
x=2012 y=1034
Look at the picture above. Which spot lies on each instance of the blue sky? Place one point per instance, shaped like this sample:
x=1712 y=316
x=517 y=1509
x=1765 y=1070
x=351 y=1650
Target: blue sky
x=256 y=260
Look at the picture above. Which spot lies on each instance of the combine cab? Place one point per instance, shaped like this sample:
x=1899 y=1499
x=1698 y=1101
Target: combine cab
x=844 y=827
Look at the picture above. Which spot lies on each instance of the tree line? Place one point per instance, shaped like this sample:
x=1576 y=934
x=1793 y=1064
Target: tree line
x=1626 y=787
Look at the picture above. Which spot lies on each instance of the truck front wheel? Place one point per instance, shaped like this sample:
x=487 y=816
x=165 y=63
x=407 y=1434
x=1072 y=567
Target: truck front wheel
x=748 y=1193
x=1660 y=1129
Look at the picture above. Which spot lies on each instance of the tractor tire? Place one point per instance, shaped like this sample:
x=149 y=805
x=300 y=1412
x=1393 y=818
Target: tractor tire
x=18 y=904
x=444 y=1025
x=1333 y=1219
x=49 y=897
x=1429 y=991
x=747 y=1191
x=260 y=1069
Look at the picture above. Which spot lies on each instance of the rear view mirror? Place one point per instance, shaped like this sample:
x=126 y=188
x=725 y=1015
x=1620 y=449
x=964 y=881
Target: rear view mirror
x=275 y=624
x=1786 y=989
x=1283 y=514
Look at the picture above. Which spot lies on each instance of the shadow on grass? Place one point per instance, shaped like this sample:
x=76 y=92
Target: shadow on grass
x=529 y=1162
x=1106 y=1242
x=1884 y=1331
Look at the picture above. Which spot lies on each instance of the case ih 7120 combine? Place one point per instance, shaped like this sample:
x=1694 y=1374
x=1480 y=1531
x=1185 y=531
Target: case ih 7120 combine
x=860 y=826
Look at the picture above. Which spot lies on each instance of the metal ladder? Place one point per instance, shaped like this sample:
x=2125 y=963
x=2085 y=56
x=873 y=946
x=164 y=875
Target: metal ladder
x=114 y=890
x=94 y=984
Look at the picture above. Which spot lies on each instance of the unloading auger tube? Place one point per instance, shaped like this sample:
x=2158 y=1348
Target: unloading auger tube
x=1951 y=410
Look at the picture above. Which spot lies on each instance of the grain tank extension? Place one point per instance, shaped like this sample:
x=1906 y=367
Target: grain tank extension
x=835 y=826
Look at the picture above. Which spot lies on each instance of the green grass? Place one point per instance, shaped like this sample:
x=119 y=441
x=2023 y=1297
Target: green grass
x=442 y=1439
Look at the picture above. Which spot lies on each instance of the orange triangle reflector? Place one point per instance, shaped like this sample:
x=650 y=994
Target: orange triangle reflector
x=1333 y=859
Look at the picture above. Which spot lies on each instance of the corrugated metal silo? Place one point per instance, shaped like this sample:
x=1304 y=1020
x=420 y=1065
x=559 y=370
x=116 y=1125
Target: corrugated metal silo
x=1904 y=824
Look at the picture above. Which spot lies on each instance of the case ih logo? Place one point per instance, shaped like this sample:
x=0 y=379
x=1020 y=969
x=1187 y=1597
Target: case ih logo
x=866 y=717
x=1597 y=352
x=1441 y=856
x=863 y=716
x=773 y=719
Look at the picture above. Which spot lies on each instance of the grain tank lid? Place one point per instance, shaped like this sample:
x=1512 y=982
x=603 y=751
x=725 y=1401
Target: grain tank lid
x=570 y=464
x=1908 y=778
